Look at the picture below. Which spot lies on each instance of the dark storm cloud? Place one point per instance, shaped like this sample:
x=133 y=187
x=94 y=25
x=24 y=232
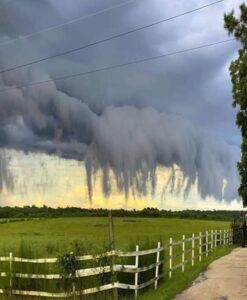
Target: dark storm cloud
x=173 y=111
x=6 y=178
x=145 y=138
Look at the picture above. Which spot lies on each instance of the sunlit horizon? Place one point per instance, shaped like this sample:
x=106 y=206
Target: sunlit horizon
x=41 y=179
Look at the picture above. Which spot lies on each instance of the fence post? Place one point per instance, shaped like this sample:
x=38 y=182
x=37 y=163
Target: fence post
x=212 y=240
x=74 y=290
x=193 y=249
x=136 y=273
x=215 y=239
x=220 y=237
x=206 y=243
x=10 y=274
x=170 y=258
x=183 y=253
x=224 y=237
x=200 y=246
x=112 y=248
x=157 y=266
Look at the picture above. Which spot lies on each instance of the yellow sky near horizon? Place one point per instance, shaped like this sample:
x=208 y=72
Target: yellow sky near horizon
x=48 y=180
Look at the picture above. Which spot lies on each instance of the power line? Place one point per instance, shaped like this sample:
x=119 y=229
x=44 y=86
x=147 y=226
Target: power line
x=108 y=39
x=72 y=21
x=107 y=68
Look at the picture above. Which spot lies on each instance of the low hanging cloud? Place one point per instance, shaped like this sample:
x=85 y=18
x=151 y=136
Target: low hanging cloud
x=133 y=142
x=6 y=177
x=127 y=122
x=130 y=142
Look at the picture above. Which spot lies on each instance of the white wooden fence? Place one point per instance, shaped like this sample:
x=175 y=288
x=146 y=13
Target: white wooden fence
x=211 y=240
x=206 y=243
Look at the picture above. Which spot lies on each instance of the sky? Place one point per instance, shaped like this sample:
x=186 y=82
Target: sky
x=160 y=133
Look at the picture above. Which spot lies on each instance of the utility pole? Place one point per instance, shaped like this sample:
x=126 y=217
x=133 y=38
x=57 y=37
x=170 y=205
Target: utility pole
x=111 y=231
x=112 y=248
x=244 y=229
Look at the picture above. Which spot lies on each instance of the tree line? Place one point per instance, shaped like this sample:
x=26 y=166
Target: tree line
x=49 y=212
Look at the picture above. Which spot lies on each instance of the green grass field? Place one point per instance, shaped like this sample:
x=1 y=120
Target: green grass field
x=56 y=236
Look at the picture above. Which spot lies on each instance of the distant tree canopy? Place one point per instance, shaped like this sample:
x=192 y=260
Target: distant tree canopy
x=238 y=70
x=9 y=214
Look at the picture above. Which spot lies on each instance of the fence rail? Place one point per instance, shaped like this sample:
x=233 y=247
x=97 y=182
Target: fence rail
x=190 y=250
x=212 y=239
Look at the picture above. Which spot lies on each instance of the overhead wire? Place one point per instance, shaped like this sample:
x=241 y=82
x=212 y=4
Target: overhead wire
x=106 y=68
x=61 y=25
x=107 y=39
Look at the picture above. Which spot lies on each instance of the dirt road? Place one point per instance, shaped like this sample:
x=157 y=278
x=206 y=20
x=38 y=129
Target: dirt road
x=226 y=279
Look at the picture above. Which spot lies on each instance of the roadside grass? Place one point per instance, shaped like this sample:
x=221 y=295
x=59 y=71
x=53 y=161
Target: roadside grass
x=169 y=288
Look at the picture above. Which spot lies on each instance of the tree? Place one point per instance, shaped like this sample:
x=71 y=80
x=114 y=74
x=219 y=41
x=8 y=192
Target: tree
x=237 y=26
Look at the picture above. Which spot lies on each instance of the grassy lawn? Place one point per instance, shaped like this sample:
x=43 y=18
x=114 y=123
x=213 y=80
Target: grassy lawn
x=55 y=236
